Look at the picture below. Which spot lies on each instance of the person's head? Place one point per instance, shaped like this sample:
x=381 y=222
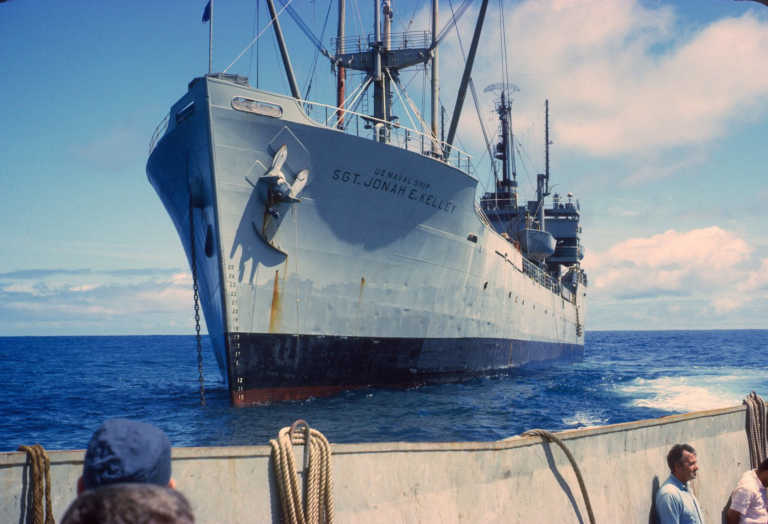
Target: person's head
x=129 y=504
x=123 y=450
x=682 y=462
x=762 y=472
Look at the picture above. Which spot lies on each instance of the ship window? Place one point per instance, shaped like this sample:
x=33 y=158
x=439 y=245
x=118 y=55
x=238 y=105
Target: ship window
x=260 y=108
x=472 y=238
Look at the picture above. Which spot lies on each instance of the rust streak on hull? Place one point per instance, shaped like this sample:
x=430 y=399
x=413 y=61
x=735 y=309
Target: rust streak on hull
x=274 y=310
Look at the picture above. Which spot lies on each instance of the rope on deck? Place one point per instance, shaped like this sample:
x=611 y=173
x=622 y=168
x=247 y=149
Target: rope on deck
x=757 y=428
x=317 y=506
x=550 y=437
x=40 y=466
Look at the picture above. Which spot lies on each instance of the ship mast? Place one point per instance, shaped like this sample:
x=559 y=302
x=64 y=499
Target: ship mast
x=435 y=80
x=283 y=51
x=542 y=181
x=506 y=188
x=546 y=141
x=465 y=77
x=341 y=75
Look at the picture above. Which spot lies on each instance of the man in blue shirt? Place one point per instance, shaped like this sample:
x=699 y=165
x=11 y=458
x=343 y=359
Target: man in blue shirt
x=675 y=504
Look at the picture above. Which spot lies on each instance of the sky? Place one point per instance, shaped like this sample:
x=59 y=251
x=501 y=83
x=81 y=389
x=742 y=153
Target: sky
x=659 y=124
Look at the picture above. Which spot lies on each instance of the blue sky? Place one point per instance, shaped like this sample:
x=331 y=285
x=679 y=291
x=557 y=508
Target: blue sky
x=659 y=123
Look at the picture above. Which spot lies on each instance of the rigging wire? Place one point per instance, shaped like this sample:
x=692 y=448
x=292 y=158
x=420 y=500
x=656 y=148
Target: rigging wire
x=356 y=102
x=454 y=21
x=355 y=98
x=522 y=153
x=359 y=18
x=425 y=128
x=256 y=24
x=317 y=42
x=474 y=95
x=400 y=97
x=271 y=21
x=504 y=58
x=411 y=20
x=308 y=88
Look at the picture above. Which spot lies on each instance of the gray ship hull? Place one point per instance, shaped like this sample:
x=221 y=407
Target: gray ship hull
x=380 y=271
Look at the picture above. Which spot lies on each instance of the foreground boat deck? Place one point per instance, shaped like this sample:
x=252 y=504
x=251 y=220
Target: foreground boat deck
x=518 y=479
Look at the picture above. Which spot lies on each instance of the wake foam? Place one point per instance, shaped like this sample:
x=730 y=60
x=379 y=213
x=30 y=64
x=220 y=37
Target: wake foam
x=689 y=393
x=585 y=419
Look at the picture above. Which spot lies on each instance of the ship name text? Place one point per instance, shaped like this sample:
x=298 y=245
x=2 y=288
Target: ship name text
x=395 y=184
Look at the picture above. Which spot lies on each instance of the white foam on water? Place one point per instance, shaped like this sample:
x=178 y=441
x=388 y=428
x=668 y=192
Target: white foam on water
x=585 y=419
x=691 y=392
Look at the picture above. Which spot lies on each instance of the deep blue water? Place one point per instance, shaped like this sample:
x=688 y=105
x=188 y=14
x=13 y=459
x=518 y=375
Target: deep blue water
x=57 y=390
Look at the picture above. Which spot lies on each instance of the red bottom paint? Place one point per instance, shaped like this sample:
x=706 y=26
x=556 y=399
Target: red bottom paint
x=263 y=396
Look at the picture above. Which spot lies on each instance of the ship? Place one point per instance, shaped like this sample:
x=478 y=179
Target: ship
x=333 y=249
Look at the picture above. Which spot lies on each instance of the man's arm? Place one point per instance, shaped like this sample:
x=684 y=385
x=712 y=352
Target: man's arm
x=668 y=508
x=732 y=517
x=740 y=500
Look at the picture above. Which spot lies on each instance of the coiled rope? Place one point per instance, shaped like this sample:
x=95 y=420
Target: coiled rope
x=317 y=505
x=40 y=465
x=757 y=428
x=549 y=437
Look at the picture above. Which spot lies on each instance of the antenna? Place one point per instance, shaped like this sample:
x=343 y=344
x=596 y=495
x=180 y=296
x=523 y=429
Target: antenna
x=546 y=139
x=501 y=86
x=547 y=143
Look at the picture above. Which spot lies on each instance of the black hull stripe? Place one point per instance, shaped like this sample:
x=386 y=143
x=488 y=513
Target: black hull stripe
x=269 y=367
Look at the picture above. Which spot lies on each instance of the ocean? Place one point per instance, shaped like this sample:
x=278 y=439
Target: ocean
x=57 y=390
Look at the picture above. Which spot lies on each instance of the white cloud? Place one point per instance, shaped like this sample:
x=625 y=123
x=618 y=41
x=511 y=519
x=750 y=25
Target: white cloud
x=758 y=279
x=623 y=78
x=685 y=274
x=109 y=302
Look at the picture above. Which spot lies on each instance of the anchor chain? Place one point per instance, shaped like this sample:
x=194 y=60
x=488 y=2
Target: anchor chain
x=196 y=295
x=579 y=327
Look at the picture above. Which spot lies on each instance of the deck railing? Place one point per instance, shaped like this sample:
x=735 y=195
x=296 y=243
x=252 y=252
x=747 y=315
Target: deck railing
x=391 y=133
x=366 y=126
x=405 y=40
x=159 y=132
x=538 y=275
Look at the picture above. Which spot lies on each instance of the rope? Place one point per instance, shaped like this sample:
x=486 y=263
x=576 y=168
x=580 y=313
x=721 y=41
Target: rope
x=549 y=437
x=317 y=506
x=757 y=428
x=40 y=466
